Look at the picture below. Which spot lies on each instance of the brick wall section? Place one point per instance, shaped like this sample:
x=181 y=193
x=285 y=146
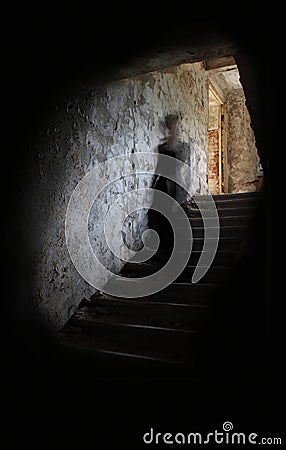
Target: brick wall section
x=213 y=161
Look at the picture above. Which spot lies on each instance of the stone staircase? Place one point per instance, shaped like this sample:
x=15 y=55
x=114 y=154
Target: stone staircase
x=162 y=332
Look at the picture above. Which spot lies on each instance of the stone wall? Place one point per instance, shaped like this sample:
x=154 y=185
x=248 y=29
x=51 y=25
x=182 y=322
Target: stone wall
x=91 y=125
x=243 y=160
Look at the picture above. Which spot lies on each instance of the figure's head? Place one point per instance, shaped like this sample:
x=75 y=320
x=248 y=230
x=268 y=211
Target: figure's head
x=173 y=125
x=172 y=122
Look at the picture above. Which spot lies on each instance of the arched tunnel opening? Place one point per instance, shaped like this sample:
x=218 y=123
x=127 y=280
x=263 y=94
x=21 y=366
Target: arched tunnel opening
x=121 y=106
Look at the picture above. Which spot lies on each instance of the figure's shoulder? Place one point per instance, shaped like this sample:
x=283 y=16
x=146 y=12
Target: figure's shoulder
x=166 y=149
x=162 y=148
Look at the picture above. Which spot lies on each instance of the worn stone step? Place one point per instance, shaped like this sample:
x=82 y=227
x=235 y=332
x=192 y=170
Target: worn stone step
x=224 y=243
x=112 y=359
x=149 y=267
x=226 y=211
x=213 y=275
x=197 y=243
x=146 y=340
x=130 y=311
x=188 y=293
x=223 y=231
x=224 y=201
x=224 y=257
x=223 y=221
x=234 y=196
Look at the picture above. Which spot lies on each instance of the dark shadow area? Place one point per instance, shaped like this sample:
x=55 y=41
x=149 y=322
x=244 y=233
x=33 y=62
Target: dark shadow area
x=242 y=377
x=236 y=350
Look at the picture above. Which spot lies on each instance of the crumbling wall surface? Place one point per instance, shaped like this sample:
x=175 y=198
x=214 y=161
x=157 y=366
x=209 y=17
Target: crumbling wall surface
x=243 y=158
x=87 y=127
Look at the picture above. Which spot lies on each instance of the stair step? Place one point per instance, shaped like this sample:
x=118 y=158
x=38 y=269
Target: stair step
x=223 y=221
x=234 y=196
x=145 y=312
x=224 y=243
x=223 y=201
x=112 y=359
x=187 y=293
x=224 y=257
x=221 y=212
x=228 y=243
x=224 y=231
x=134 y=270
x=213 y=275
x=137 y=339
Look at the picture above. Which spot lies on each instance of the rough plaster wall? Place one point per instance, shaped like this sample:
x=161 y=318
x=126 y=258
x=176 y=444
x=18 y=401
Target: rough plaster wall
x=243 y=159
x=94 y=124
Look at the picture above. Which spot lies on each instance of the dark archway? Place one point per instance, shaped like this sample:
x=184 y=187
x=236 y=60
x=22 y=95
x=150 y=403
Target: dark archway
x=45 y=63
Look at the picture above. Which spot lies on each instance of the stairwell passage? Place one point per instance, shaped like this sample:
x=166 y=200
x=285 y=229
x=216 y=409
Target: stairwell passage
x=162 y=332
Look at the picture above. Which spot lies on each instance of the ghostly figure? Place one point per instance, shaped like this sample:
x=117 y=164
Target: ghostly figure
x=169 y=148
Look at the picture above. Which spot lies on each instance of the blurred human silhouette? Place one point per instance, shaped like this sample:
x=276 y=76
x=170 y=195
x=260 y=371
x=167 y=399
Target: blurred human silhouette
x=173 y=147
x=168 y=148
